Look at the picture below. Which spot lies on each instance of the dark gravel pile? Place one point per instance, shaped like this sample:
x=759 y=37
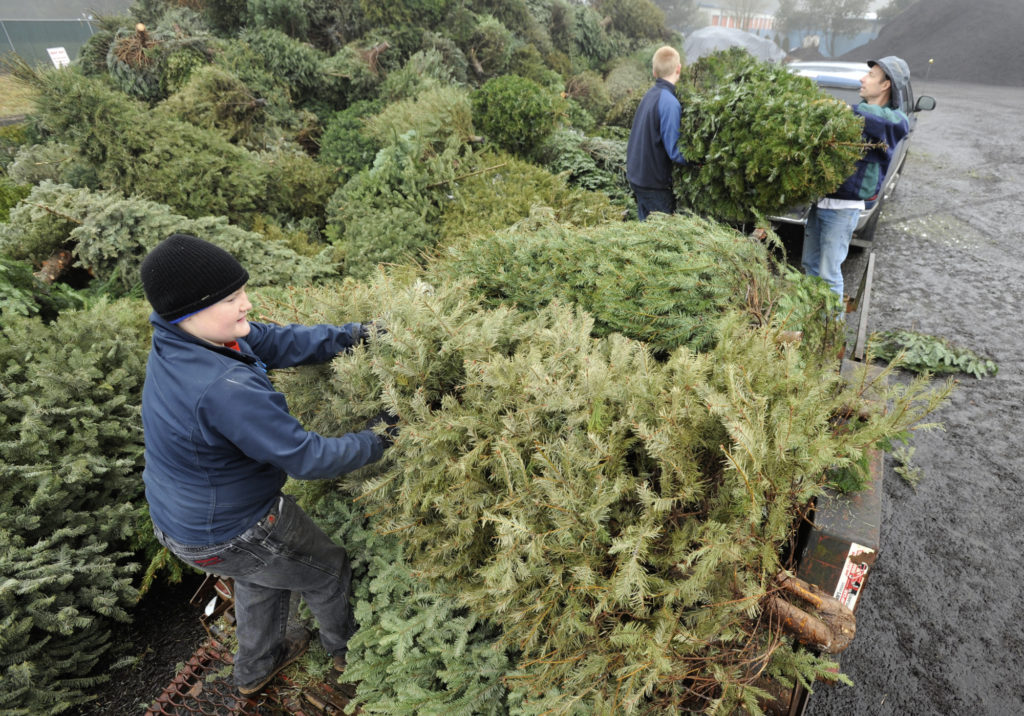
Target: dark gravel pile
x=976 y=41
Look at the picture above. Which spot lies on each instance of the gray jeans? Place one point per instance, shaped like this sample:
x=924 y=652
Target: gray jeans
x=282 y=552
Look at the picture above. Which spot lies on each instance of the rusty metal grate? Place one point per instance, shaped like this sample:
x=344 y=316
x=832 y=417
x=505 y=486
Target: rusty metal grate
x=204 y=688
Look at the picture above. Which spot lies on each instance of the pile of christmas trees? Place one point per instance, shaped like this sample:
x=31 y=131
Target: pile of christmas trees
x=609 y=522
x=608 y=429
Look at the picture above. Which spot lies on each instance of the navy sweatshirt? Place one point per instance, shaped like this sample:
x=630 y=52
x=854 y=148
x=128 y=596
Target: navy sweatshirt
x=220 y=440
x=654 y=138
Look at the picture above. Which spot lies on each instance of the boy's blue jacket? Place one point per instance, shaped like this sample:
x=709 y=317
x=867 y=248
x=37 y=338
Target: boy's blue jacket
x=220 y=439
x=654 y=139
x=884 y=126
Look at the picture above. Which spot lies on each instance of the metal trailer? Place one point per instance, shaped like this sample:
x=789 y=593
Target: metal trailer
x=842 y=538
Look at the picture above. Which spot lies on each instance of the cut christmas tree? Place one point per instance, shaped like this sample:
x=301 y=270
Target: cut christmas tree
x=759 y=139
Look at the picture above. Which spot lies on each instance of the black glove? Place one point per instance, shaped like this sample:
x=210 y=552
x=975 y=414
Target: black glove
x=373 y=328
x=390 y=425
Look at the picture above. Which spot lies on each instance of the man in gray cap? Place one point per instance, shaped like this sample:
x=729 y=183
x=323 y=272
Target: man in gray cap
x=831 y=222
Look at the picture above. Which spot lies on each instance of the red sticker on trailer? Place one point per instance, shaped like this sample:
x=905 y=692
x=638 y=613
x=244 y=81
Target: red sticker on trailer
x=855 y=571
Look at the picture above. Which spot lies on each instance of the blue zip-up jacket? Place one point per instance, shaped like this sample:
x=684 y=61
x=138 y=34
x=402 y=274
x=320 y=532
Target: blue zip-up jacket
x=654 y=138
x=882 y=125
x=220 y=439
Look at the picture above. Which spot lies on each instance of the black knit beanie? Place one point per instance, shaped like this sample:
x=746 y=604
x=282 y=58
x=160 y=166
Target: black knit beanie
x=184 y=274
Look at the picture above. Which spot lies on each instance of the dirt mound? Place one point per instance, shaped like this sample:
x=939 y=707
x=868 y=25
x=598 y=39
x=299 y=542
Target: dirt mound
x=978 y=41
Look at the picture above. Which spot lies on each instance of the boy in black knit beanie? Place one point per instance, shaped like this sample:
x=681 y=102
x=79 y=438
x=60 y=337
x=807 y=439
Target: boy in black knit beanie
x=220 y=442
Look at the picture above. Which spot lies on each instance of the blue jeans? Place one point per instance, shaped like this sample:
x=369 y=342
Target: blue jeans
x=284 y=551
x=648 y=200
x=826 y=243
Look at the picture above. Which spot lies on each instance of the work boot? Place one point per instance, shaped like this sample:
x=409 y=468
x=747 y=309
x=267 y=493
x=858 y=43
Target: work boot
x=340 y=662
x=292 y=650
x=336 y=677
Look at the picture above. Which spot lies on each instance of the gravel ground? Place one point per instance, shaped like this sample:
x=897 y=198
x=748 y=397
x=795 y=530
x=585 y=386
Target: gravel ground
x=939 y=630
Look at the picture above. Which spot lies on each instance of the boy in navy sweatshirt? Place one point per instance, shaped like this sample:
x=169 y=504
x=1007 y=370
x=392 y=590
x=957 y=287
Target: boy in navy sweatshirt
x=653 y=144
x=220 y=442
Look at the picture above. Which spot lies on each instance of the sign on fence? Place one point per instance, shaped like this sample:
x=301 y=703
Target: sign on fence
x=59 y=56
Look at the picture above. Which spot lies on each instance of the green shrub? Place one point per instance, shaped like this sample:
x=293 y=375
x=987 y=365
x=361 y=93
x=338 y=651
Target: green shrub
x=626 y=83
x=132 y=65
x=355 y=71
x=11 y=192
x=297 y=185
x=346 y=144
x=71 y=488
x=153 y=63
x=142 y=151
x=287 y=16
x=241 y=60
x=404 y=13
x=196 y=171
x=579 y=118
x=588 y=88
x=622 y=112
x=526 y=61
x=666 y=282
x=636 y=19
x=591 y=44
x=629 y=76
x=514 y=112
x=489 y=47
x=12 y=138
x=389 y=212
x=177 y=63
x=225 y=17
x=23 y=294
x=456 y=65
x=496 y=190
x=287 y=60
x=179 y=19
x=417 y=650
x=436 y=114
x=215 y=99
x=92 y=58
x=590 y=163
x=426 y=70
x=109 y=235
x=54 y=161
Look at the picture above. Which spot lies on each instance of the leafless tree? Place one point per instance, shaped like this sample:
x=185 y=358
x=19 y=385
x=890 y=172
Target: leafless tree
x=832 y=18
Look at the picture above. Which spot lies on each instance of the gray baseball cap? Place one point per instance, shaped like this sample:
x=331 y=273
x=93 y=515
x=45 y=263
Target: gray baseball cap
x=898 y=72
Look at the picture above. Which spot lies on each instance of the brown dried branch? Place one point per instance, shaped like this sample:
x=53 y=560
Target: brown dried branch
x=131 y=50
x=371 y=55
x=55 y=266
